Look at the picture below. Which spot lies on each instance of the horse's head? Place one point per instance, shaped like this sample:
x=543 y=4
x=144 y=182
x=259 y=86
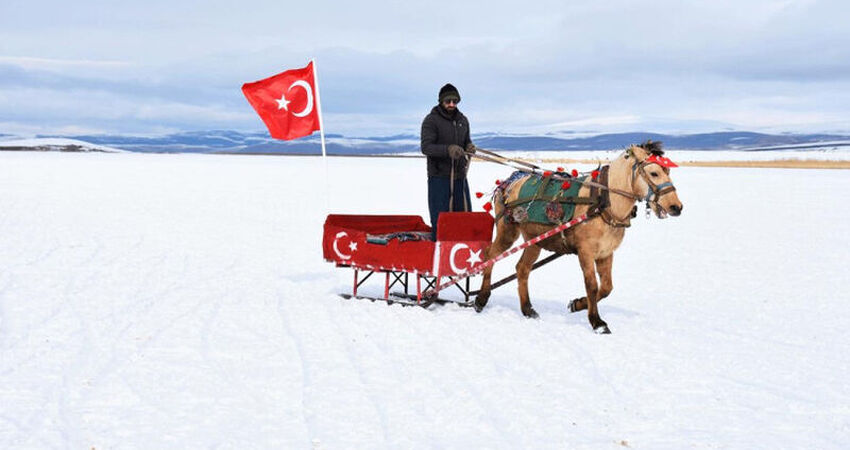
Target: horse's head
x=651 y=178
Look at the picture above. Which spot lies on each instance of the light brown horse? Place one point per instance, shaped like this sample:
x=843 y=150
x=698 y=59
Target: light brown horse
x=631 y=177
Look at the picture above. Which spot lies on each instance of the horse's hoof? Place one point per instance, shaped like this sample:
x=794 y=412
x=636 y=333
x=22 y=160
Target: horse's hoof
x=602 y=329
x=531 y=314
x=479 y=304
x=573 y=305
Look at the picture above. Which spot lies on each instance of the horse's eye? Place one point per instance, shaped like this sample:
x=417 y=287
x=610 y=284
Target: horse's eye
x=654 y=174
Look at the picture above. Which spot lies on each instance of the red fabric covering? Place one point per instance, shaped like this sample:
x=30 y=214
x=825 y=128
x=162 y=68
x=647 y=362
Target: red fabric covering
x=462 y=236
x=345 y=243
x=377 y=224
x=465 y=226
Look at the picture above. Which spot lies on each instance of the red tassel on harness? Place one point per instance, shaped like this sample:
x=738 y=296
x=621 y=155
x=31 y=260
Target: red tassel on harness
x=487 y=207
x=560 y=169
x=547 y=173
x=594 y=174
x=479 y=194
x=565 y=185
x=498 y=182
x=575 y=173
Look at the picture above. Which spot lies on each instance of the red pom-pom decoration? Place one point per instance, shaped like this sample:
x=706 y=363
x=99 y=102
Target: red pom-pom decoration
x=594 y=174
x=547 y=173
x=565 y=185
x=487 y=207
x=575 y=173
x=560 y=169
x=479 y=194
x=498 y=182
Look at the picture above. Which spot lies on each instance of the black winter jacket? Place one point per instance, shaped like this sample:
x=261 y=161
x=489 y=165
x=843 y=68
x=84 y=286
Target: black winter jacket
x=439 y=130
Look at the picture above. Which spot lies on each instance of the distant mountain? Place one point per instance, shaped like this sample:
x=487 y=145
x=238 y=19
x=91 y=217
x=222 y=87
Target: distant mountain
x=224 y=141
x=9 y=143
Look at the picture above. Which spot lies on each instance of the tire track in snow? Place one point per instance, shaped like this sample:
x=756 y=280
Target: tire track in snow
x=309 y=422
x=207 y=329
x=349 y=352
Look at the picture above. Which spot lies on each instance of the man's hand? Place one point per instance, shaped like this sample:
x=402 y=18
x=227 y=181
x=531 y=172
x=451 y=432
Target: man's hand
x=470 y=148
x=455 y=151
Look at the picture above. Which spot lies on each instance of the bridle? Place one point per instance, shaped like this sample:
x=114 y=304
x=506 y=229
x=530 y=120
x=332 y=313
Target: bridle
x=653 y=195
x=654 y=191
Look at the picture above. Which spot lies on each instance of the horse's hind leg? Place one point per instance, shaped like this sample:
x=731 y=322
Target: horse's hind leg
x=591 y=288
x=523 y=268
x=506 y=234
x=606 y=284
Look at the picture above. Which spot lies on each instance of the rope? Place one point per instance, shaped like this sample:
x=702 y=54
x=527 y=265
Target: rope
x=518 y=161
x=452 y=188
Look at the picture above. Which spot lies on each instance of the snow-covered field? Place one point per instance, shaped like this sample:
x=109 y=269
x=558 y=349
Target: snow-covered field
x=181 y=301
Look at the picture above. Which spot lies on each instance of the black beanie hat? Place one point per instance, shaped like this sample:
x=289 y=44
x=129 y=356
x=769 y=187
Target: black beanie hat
x=448 y=91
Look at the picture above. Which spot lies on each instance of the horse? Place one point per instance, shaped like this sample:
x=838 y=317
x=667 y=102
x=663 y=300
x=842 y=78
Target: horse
x=639 y=173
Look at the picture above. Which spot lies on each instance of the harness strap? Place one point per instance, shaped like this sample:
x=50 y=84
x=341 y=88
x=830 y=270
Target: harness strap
x=571 y=200
x=603 y=208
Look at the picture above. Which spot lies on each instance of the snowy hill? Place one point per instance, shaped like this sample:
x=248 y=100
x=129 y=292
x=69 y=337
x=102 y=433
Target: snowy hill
x=54 y=145
x=222 y=141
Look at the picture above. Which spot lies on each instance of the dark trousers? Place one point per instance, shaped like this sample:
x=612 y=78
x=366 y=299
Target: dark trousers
x=438 y=198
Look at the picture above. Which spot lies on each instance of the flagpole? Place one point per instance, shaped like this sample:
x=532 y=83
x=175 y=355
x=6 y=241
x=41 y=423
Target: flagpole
x=322 y=134
x=319 y=105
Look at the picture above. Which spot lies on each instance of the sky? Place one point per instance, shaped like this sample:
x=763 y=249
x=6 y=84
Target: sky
x=160 y=67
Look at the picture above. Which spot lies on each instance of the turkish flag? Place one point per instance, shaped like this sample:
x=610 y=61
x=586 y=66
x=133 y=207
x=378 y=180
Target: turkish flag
x=286 y=102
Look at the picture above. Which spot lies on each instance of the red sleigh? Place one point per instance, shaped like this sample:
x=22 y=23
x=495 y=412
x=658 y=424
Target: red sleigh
x=399 y=246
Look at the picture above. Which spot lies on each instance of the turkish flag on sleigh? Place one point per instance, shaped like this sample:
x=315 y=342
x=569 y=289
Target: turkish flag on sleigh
x=287 y=102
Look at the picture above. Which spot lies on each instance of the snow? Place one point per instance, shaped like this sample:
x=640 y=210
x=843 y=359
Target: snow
x=181 y=301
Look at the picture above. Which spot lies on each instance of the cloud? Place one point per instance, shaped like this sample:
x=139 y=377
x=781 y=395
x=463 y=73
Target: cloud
x=583 y=64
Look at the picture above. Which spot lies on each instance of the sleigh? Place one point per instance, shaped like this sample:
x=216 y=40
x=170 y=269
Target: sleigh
x=398 y=246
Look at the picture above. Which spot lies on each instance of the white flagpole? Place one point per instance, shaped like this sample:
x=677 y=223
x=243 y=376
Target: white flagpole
x=322 y=134
x=319 y=105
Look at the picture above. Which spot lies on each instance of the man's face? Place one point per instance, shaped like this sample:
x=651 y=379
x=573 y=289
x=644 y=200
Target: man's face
x=450 y=103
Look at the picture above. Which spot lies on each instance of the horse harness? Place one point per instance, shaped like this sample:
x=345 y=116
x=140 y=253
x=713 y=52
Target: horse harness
x=599 y=198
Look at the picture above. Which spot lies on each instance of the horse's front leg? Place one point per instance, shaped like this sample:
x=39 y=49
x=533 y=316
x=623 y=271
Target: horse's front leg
x=523 y=268
x=606 y=284
x=506 y=234
x=588 y=269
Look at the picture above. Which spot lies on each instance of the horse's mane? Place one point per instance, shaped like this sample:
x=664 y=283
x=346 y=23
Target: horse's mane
x=653 y=147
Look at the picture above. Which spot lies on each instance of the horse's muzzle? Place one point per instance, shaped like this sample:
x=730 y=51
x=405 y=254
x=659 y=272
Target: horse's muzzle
x=675 y=210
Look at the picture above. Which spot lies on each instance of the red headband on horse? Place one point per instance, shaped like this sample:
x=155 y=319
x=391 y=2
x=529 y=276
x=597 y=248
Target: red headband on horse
x=662 y=161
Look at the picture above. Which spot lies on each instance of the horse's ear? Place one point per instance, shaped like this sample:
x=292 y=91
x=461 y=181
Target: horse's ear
x=652 y=147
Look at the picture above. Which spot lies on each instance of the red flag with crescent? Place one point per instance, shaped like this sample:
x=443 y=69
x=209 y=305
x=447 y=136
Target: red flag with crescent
x=287 y=102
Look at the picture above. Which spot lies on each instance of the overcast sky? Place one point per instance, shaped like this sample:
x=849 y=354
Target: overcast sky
x=155 y=67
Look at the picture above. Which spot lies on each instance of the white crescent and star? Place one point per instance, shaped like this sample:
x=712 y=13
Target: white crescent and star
x=352 y=246
x=283 y=103
x=474 y=257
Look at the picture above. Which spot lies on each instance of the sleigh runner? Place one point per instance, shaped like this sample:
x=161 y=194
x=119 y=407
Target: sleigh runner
x=398 y=246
